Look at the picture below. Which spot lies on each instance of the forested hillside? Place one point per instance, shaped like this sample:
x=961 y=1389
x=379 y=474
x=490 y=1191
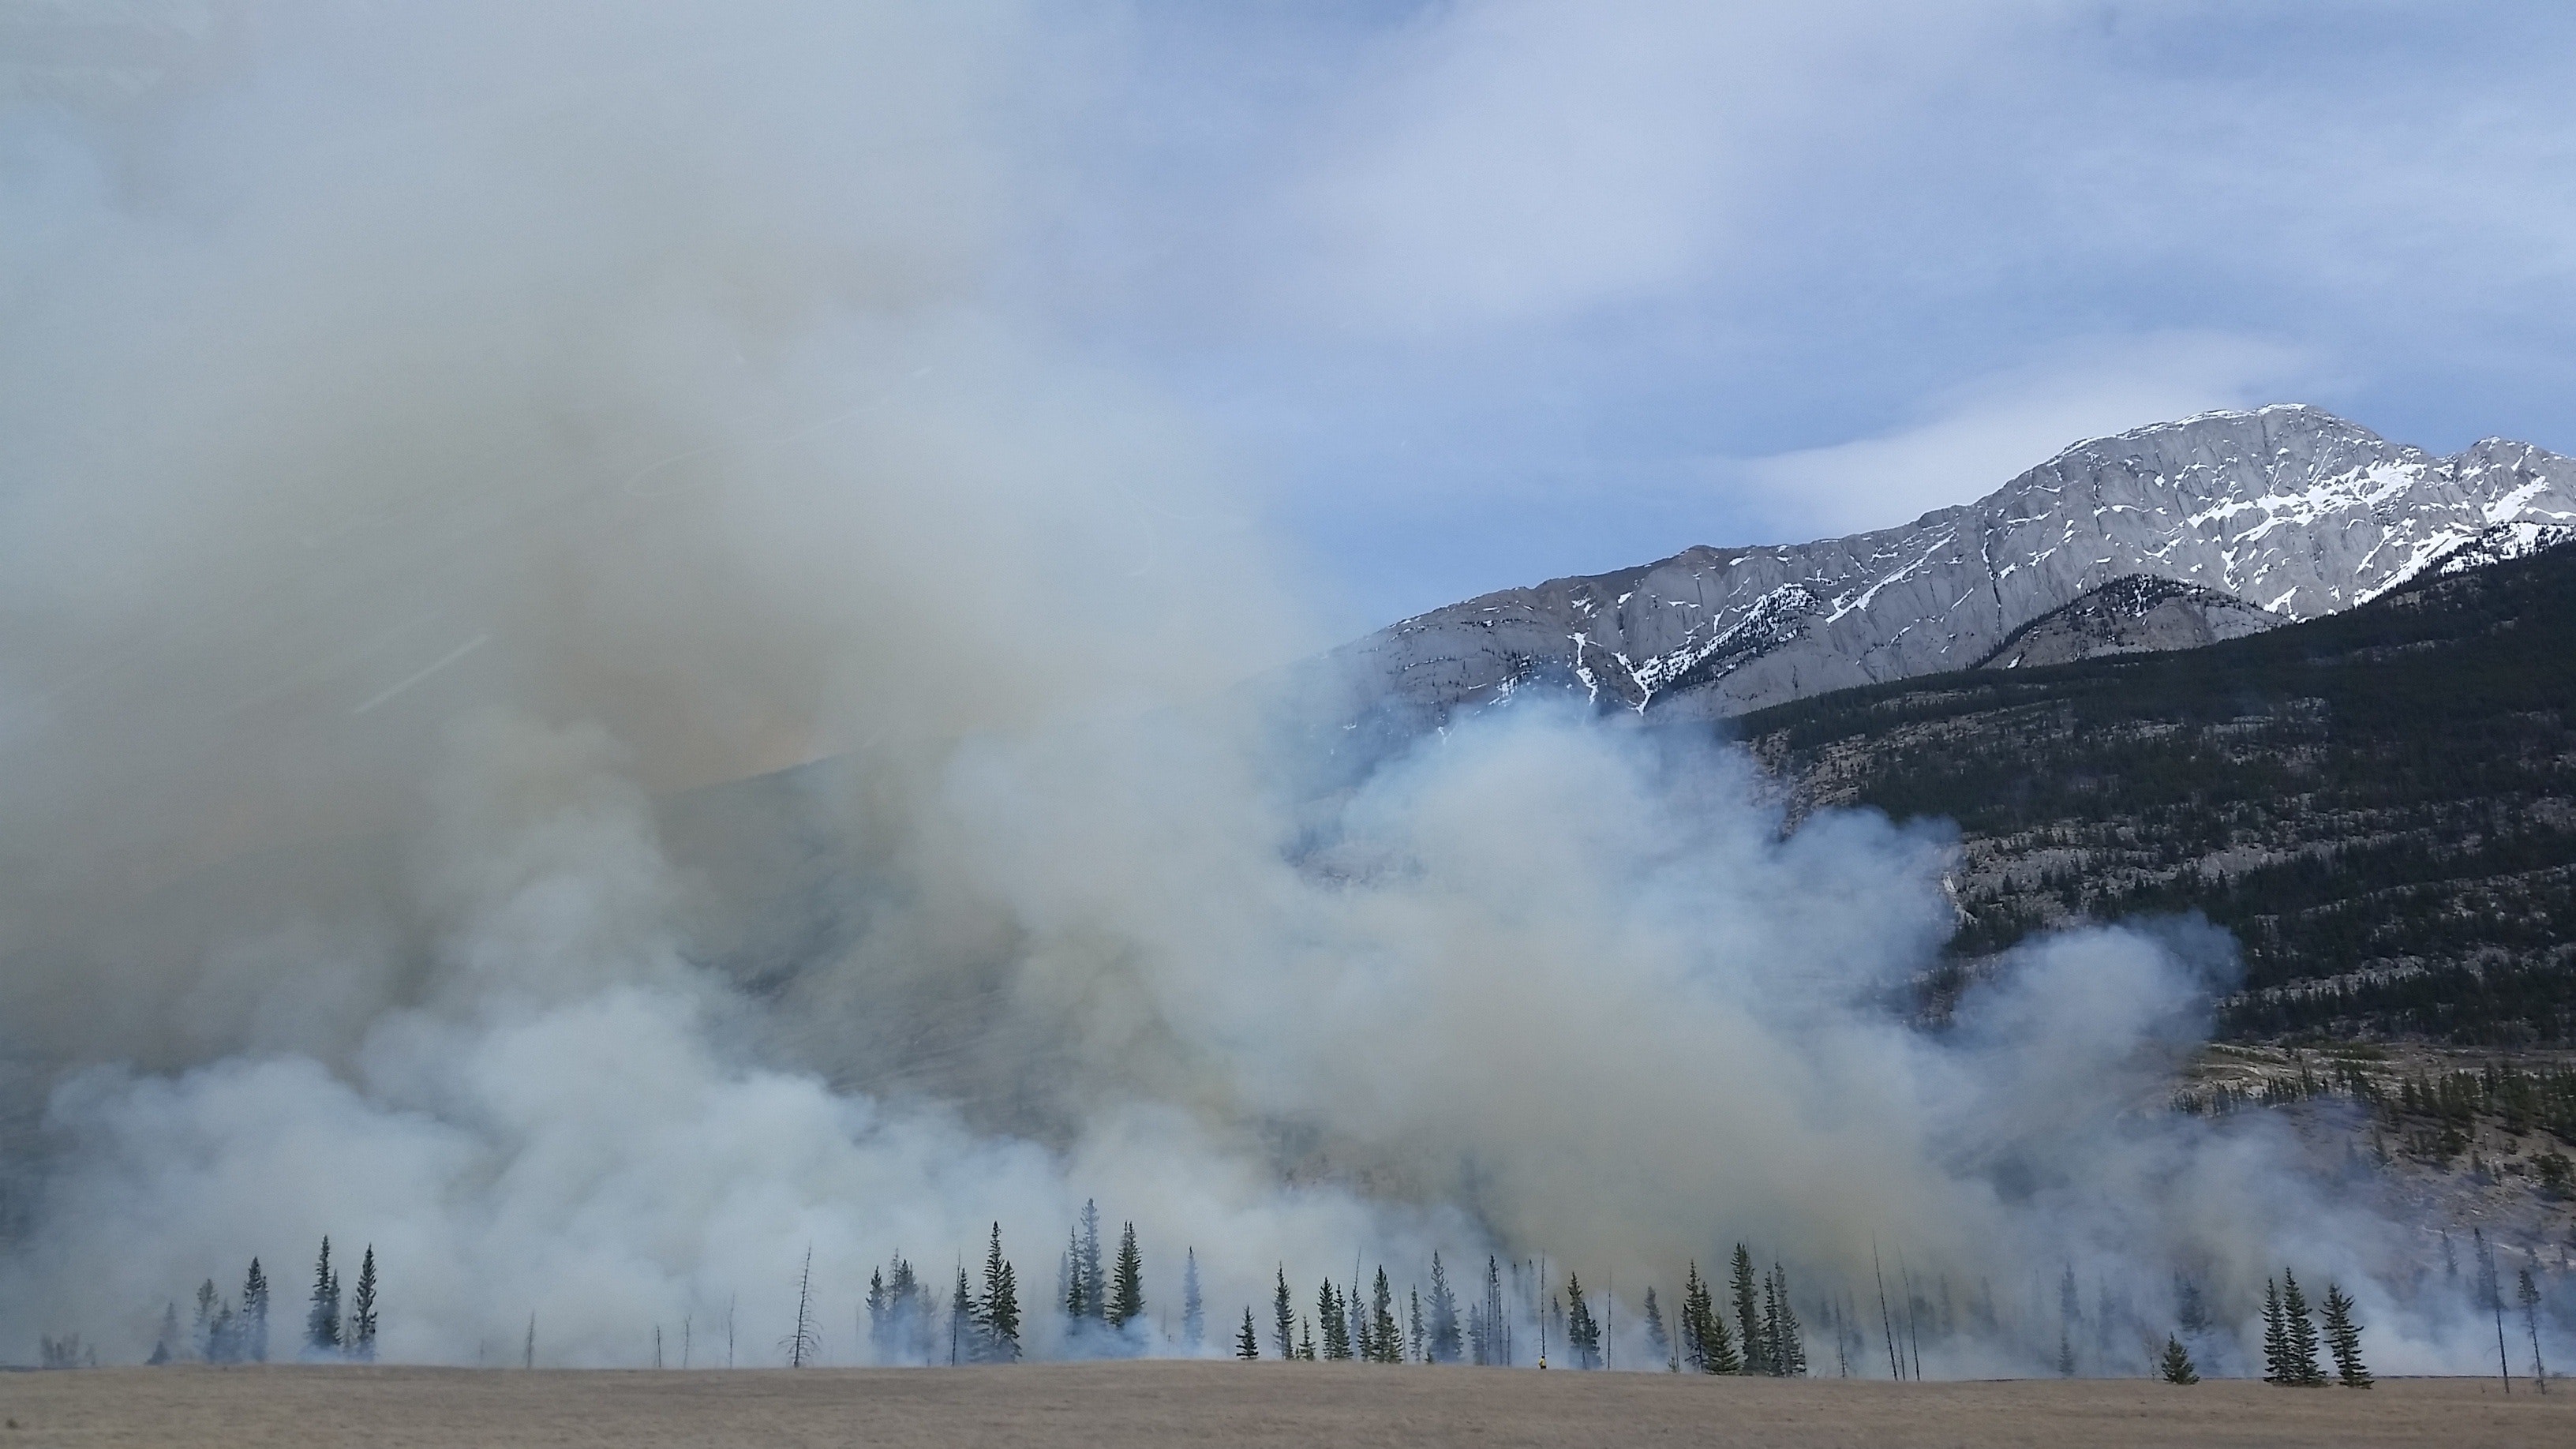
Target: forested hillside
x=2381 y=803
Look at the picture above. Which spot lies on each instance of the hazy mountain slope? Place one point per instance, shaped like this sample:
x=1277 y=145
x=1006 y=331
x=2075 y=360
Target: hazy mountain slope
x=2381 y=804
x=2290 y=509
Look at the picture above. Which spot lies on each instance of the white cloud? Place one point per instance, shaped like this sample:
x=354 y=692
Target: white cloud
x=1973 y=439
x=1522 y=159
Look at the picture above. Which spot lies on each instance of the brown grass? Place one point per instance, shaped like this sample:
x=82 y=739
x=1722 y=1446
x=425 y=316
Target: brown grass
x=1151 y=1405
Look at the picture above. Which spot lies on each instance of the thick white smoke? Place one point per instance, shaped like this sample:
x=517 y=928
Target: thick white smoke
x=457 y=459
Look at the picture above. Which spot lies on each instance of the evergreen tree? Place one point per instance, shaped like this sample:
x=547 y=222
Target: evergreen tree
x=1127 y=1285
x=1656 y=1339
x=1363 y=1347
x=1498 y=1325
x=2194 y=1311
x=1769 y=1353
x=166 y=1348
x=201 y=1330
x=2276 y=1338
x=1414 y=1338
x=997 y=1313
x=322 y=1323
x=1087 y=1264
x=965 y=1335
x=1788 y=1346
x=1385 y=1340
x=2303 y=1334
x=2065 y=1352
x=1328 y=1313
x=2177 y=1367
x=254 y=1315
x=1077 y=1307
x=1283 y=1322
x=1582 y=1332
x=1305 y=1341
x=880 y=1318
x=1478 y=1349
x=1193 y=1310
x=2343 y=1338
x=1748 y=1317
x=1247 y=1347
x=1705 y=1336
x=362 y=1310
x=1442 y=1346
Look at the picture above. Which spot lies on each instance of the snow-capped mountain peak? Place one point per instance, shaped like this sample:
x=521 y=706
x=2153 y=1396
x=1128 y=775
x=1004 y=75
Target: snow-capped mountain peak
x=2287 y=508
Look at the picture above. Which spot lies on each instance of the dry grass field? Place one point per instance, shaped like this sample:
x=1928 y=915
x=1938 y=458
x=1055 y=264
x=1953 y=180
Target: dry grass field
x=1152 y=1405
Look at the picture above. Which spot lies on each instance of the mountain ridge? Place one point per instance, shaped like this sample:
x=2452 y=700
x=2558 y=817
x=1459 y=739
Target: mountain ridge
x=2286 y=508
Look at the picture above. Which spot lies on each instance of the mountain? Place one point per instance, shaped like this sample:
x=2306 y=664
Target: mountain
x=2379 y=804
x=2286 y=511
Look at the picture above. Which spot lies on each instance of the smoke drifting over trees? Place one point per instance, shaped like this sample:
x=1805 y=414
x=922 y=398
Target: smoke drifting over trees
x=451 y=468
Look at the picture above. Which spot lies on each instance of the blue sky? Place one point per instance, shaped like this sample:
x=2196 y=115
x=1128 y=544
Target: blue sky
x=1490 y=292
x=1481 y=292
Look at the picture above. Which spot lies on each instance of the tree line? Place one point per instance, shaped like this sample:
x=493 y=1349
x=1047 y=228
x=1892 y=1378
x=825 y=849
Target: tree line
x=235 y=1330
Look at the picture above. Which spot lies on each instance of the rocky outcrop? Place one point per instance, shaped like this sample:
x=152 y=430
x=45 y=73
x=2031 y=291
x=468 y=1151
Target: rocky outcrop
x=2140 y=614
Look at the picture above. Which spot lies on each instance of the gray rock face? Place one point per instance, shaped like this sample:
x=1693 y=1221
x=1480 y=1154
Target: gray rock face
x=2140 y=614
x=2292 y=510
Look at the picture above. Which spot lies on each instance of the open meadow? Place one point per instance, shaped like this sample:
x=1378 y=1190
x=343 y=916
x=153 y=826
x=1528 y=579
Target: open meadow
x=1156 y=1404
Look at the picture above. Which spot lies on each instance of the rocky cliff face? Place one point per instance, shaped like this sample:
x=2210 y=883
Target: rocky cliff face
x=2288 y=510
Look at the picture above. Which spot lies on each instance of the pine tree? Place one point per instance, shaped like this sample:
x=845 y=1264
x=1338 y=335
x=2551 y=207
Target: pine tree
x=965 y=1334
x=2065 y=1351
x=254 y=1315
x=1413 y=1334
x=1443 y=1346
x=1305 y=1341
x=2303 y=1334
x=2194 y=1311
x=201 y=1329
x=362 y=1310
x=1087 y=1263
x=1582 y=1332
x=1705 y=1336
x=2177 y=1368
x=1748 y=1319
x=1385 y=1342
x=880 y=1318
x=1127 y=1285
x=2276 y=1338
x=164 y=1349
x=1284 y=1323
x=1328 y=1313
x=2343 y=1338
x=1788 y=1346
x=1247 y=1347
x=1193 y=1309
x=1076 y=1306
x=1363 y=1347
x=322 y=1324
x=1656 y=1338
x=997 y=1313
x=1498 y=1326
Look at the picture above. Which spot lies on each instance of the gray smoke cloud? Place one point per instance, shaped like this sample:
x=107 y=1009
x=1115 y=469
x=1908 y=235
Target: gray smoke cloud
x=460 y=463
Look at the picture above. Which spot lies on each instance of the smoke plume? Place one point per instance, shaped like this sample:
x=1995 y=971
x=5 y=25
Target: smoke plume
x=594 y=697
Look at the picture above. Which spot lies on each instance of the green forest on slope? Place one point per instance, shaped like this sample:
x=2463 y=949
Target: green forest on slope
x=2380 y=804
